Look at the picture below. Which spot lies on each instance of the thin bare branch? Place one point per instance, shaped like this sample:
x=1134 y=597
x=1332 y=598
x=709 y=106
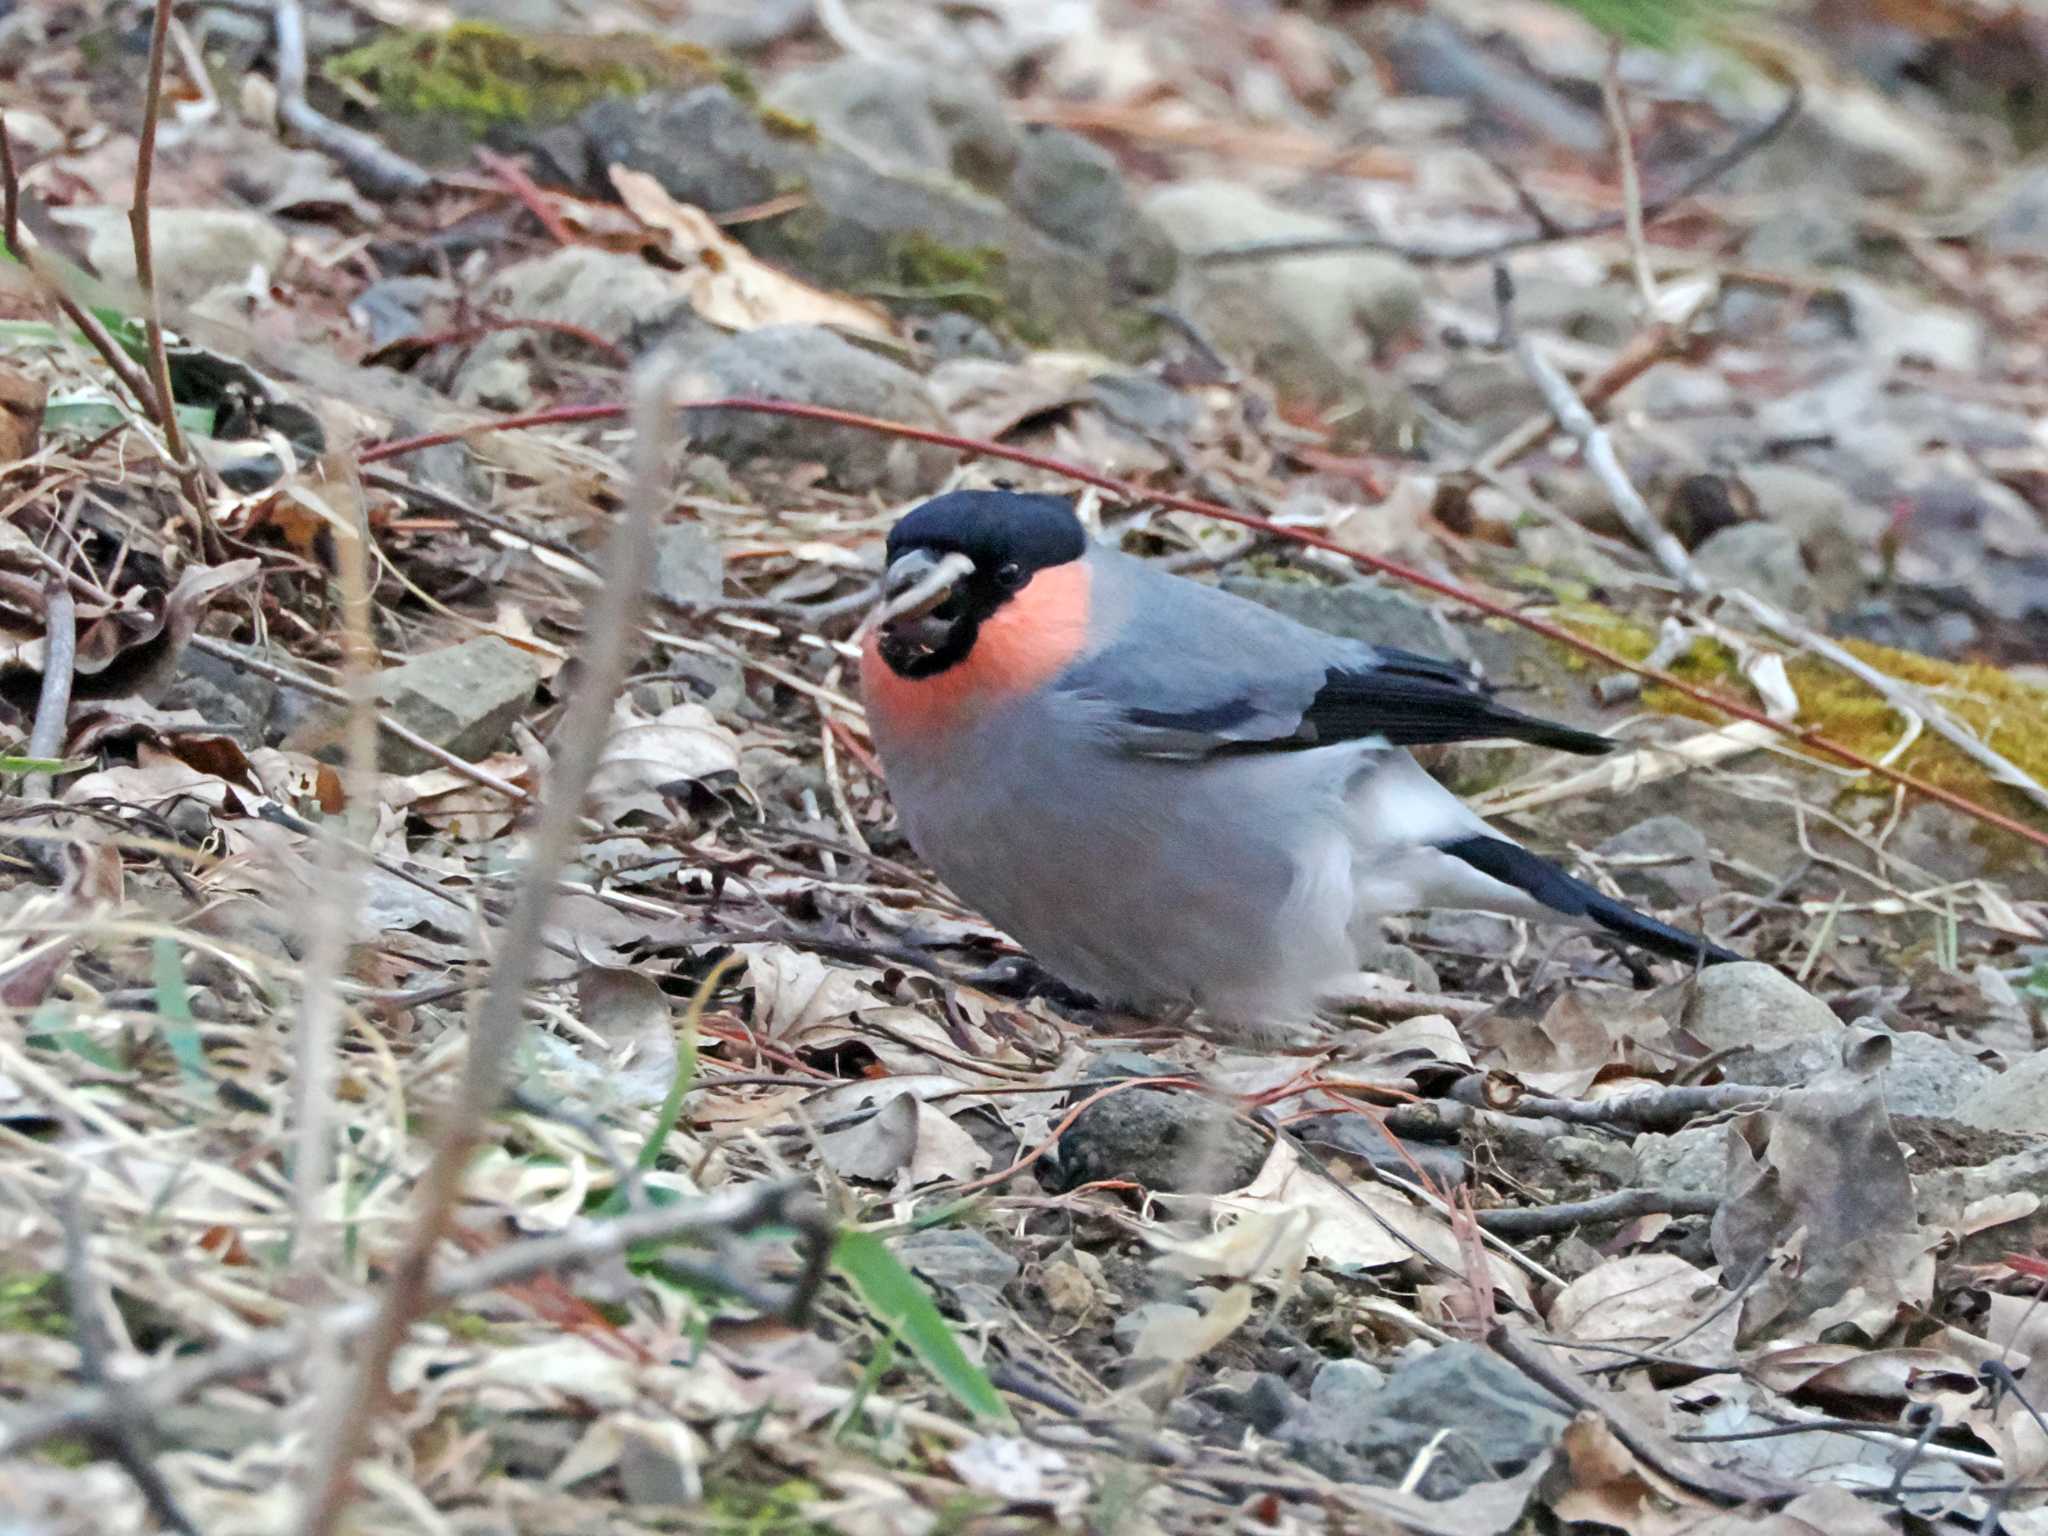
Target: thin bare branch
x=60 y=662
x=331 y=924
x=1631 y=185
x=1598 y=448
x=378 y=170
x=1702 y=176
x=612 y=630
x=1645 y=1109
x=191 y=478
x=735 y=1211
x=1622 y=1205
x=122 y=1433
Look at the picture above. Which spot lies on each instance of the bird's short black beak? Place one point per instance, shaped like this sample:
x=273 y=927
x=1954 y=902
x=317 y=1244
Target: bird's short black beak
x=918 y=589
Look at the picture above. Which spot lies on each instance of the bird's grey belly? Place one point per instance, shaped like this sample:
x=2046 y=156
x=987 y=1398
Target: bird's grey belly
x=1146 y=883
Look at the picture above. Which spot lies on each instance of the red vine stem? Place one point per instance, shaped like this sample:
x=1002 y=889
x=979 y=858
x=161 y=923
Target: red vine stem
x=1808 y=737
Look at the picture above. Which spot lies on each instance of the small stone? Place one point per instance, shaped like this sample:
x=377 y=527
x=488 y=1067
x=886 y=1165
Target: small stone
x=1071 y=188
x=1484 y=1418
x=1343 y=1388
x=463 y=698
x=816 y=366
x=497 y=384
x=689 y=567
x=1166 y=1140
x=2014 y=1100
x=195 y=250
x=1399 y=961
x=950 y=1257
x=1662 y=863
x=1750 y=1006
x=1312 y=324
x=2018 y=221
x=903 y=119
x=1930 y=1079
x=1693 y=1161
x=1760 y=558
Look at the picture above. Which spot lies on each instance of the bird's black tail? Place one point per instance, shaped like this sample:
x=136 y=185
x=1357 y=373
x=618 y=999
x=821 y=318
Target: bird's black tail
x=1543 y=880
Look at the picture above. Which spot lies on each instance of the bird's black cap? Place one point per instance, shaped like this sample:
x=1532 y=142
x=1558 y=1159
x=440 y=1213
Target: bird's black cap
x=994 y=529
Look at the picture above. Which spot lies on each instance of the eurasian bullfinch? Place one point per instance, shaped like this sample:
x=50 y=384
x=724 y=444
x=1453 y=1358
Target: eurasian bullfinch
x=1171 y=795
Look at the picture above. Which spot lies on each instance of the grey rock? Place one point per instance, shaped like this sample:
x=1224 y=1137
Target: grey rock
x=741 y=26
x=1072 y=189
x=1942 y=1194
x=397 y=306
x=906 y=120
x=2014 y=1100
x=1591 y=1157
x=1750 y=1006
x=652 y=1473
x=1430 y=55
x=1163 y=1139
x=1930 y=1079
x=225 y=696
x=1485 y=1418
x=1671 y=389
x=1899 y=328
x=1343 y=1389
x=689 y=567
x=862 y=227
x=812 y=364
x=950 y=1257
x=463 y=698
x=622 y=298
x=1839 y=533
x=1681 y=876
x=1599 y=314
x=1363 y=609
x=1310 y=324
x=2018 y=221
x=195 y=249
x=1131 y=1324
x=1398 y=960
x=498 y=384
x=1485 y=392
x=1802 y=235
x=1760 y=558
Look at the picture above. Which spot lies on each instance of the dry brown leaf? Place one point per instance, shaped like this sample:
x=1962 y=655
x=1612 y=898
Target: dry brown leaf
x=1610 y=1486
x=1819 y=1181
x=1641 y=1301
x=633 y=1016
x=906 y=1142
x=728 y=284
x=1826 y=1511
x=647 y=760
x=32 y=957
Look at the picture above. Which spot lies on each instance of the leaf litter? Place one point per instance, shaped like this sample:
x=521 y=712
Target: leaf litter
x=747 y=985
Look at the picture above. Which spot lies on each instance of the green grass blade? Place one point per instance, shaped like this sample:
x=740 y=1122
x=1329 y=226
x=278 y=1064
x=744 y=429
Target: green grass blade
x=895 y=1299
x=174 y=1011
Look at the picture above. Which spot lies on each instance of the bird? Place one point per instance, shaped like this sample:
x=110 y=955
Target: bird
x=1174 y=798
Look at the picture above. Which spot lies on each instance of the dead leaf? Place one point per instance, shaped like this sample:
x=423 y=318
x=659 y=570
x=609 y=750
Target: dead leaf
x=1021 y=1471
x=1640 y=1302
x=728 y=284
x=1610 y=1486
x=1819 y=1181
x=32 y=957
x=632 y=1015
x=906 y=1142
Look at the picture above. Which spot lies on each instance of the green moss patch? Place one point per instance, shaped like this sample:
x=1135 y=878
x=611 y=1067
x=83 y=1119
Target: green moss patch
x=2005 y=713
x=484 y=76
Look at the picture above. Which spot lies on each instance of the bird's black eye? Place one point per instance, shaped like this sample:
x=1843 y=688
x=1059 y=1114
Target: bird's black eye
x=1010 y=574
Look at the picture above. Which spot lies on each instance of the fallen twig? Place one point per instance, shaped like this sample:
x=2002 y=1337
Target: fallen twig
x=1806 y=737
x=1598 y=448
x=191 y=476
x=53 y=704
x=590 y=1242
x=1547 y=232
x=1622 y=1205
x=122 y=1433
x=1651 y=1446
x=379 y=171
x=1646 y=1109
x=580 y=742
x=1631 y=184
